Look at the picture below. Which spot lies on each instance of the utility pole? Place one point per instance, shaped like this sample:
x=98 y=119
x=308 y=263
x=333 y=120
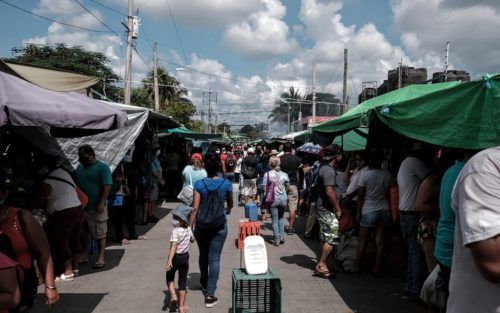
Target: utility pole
x=400 y=76
x=288 y=122
x=157 y=92
x=128 y=63
x=216 y=126
x=210 y=111
x=314 y=94
x=446 y=61
x=344 y=89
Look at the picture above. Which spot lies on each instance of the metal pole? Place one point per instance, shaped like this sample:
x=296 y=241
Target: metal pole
x=288 y=122
x=400 y=77
x=157 y=92
x=128 y=63
x=210 y=111
x=314 y=94
x=446 y=61
x=344 y=90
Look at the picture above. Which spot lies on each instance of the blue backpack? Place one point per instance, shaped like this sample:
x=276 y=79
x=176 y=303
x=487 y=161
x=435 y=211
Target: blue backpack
x=211 y=214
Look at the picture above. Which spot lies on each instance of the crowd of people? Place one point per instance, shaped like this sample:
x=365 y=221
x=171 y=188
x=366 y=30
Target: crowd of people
x=442 y=203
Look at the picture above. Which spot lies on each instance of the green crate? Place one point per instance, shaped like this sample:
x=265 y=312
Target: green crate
x=256 y=293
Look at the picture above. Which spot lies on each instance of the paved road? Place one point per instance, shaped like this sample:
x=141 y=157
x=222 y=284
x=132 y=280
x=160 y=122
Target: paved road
x=134 y=279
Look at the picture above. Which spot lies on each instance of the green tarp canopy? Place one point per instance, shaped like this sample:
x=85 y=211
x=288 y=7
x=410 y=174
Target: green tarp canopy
x=325 y=132
x=465 y=115
x=184 y=132
x=354 y=140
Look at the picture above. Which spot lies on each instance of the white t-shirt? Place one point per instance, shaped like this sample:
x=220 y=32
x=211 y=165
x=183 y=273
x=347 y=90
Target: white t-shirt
x=376 y=182
x=237 y=169
x=410 y=175
x=183 y=237
x=63 y=195
x=476 y=202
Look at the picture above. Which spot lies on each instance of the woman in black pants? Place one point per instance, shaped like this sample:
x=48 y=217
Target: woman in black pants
x=210 y=223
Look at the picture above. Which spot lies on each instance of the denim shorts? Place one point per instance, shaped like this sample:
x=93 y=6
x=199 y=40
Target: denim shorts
x=373 y=219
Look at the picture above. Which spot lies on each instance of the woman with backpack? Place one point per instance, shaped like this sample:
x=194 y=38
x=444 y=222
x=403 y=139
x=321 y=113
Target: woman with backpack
x=210 y=224
x=23 y=240
x=276 y=184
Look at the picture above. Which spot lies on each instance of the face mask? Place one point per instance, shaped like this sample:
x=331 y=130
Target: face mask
x=175 y=223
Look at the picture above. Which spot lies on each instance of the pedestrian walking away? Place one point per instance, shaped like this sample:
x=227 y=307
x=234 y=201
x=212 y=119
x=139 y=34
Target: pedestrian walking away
x=210 y=224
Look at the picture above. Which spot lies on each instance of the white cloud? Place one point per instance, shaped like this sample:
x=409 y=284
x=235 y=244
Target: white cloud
x=470 y=26
x=262 y=34
x=213 y=13
x=69 y=11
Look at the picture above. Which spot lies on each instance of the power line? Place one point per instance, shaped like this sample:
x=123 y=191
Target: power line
x=177 y=32
x=53 y=20
x=228 y=78
x=97 y=18
x=109 y=8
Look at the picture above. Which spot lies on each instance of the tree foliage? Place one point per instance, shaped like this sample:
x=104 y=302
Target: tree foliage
x=327 y=104
x=73 y=59
x=247 y=129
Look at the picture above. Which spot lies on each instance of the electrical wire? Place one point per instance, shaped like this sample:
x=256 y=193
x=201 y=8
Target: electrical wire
x=177 y=32
x=53 y=20
x=109 y=8
x=228 y=78
x=97 y=18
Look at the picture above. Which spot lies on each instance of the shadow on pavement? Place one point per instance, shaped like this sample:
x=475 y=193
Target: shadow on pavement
x=300 y=260
x=70 y=303
x=113 y=258
x=365 y=293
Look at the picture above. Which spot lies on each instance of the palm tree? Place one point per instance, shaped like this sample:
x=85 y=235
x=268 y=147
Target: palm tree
x=287 y=107
x=170 y=89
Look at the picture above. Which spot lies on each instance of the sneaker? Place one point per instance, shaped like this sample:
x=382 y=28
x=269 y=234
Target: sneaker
x=274 y=243
x=211 y=302
x=290 y=231
x=282 y=242
x=64 y=277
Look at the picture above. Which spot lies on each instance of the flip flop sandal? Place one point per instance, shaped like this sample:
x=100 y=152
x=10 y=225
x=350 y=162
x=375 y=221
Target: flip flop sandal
x=98 y=265
x=142 y=237
x=125 y=242
x=324 y=275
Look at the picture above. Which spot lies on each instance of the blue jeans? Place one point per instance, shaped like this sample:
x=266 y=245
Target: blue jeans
x=210 y=244
x=277 y=213
x=416 y=272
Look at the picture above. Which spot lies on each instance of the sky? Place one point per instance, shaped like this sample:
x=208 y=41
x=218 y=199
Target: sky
x=256 y=49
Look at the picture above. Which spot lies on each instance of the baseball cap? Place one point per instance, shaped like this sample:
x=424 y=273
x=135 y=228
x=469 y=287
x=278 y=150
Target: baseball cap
x=250 y=150
x=196 y=156
x=329 y=152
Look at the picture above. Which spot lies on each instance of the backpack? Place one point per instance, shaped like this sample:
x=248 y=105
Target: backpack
x=248 y=171
x=230 y=163
x=211 y=215
x=313 y=184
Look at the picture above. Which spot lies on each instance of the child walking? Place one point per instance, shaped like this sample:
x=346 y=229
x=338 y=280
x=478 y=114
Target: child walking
x=178 y=256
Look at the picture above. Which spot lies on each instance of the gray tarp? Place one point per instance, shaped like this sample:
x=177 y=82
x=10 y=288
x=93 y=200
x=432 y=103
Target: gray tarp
x=25 y=104
x=110 y=146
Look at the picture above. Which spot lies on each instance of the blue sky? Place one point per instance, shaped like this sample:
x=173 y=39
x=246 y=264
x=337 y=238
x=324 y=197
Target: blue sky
x=255 y=49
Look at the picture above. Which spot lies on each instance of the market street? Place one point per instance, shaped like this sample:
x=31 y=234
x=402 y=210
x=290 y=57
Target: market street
x=134 y=279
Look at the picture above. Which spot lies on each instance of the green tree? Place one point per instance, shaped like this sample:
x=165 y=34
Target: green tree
x=174 y=99
x=224 y=128
x=247 y=129
x=73 y=59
